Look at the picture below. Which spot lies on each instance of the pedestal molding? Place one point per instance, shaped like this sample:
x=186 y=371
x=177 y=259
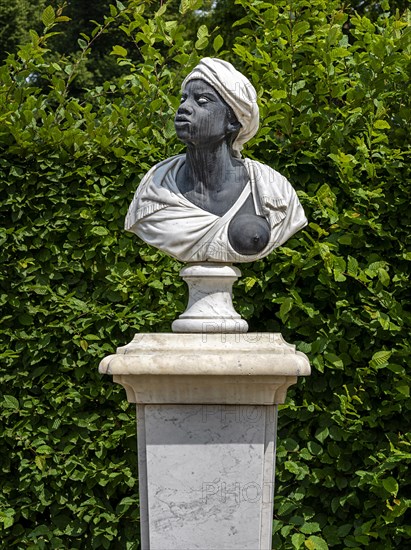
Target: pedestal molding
x=204 y=390
x=206 y=369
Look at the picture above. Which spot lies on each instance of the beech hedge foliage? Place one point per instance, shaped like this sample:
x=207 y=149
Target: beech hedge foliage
x=334 y=92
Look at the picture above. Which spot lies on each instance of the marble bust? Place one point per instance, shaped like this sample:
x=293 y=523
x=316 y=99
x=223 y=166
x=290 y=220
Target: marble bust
x=209 y=204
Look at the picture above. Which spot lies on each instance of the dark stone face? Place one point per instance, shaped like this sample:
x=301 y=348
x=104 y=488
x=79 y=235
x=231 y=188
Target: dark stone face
x=203 y=117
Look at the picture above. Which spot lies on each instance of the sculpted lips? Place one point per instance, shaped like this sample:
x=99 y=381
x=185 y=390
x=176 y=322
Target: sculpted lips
x=180 y=118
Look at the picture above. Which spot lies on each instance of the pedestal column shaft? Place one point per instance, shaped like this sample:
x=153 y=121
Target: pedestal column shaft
x=210 y=473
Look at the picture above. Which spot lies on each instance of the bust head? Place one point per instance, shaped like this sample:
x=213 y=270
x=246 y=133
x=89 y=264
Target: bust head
x=236 y=91
x=203 y=117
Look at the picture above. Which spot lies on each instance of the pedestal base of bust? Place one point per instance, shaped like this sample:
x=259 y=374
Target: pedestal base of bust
x=210 y=306
x=207 y=418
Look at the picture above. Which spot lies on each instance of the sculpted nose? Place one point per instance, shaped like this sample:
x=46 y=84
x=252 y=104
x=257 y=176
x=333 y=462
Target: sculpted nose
x=184 y=109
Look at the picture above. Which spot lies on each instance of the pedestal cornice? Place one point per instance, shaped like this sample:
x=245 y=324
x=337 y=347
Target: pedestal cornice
x=166 y=368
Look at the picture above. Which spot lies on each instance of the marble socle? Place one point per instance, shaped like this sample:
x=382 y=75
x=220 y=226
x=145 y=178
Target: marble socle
x=210 y=305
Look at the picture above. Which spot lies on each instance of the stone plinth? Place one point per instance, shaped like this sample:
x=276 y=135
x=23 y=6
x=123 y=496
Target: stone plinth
x=207 y=413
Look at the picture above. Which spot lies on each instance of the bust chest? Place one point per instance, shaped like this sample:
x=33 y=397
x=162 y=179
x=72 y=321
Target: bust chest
x=217 y=198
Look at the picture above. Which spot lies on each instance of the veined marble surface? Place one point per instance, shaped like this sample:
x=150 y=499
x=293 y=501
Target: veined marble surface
x=210 y=472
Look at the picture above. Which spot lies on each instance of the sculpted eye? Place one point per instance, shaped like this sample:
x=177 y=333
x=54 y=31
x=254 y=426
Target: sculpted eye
x=183 y=98
x=202 y=99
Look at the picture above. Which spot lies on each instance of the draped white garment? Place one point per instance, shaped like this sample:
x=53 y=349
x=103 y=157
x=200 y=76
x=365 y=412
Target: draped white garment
x=161 y=216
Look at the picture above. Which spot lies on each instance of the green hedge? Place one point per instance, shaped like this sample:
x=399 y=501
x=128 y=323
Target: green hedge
x=334 y=92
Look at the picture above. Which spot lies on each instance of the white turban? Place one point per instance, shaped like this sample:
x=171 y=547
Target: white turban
x=236 y=90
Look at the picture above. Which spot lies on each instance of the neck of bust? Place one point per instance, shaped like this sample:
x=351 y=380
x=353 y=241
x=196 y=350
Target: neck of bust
x=207 y=167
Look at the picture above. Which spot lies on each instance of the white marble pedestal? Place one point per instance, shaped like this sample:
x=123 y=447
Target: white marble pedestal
x=206 y=429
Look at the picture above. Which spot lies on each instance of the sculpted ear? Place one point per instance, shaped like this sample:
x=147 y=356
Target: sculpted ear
x=233 y=126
